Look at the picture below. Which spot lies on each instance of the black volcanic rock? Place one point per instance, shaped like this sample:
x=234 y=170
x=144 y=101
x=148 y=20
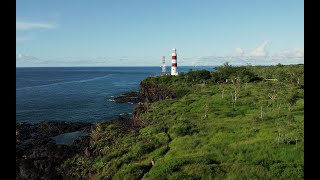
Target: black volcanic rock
x=37 y=155
x=152 y=92
x=133 y=97
x=148 y=92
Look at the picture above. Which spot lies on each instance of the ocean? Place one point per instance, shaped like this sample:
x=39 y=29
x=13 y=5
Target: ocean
x=77 y=93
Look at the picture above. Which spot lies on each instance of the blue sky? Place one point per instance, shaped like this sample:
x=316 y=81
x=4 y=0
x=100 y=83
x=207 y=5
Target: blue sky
x=140 y=32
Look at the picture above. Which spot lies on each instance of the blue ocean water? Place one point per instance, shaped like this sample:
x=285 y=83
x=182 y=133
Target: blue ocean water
x=77 y=93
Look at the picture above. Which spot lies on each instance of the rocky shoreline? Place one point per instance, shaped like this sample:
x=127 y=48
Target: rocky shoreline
x=129 y=97
x=38 y=155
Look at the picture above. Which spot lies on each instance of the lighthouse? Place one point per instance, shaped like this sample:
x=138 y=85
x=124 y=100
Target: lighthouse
x=174 y=62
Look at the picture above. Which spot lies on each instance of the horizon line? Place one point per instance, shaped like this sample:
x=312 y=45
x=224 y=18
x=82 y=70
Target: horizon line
x=155 y=66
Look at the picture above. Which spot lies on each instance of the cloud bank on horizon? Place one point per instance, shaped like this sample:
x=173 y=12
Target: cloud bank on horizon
x=257 y=56
x=260 y=51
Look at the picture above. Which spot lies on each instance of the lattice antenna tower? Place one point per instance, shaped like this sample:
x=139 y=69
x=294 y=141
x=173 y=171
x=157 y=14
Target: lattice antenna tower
x=163 y=65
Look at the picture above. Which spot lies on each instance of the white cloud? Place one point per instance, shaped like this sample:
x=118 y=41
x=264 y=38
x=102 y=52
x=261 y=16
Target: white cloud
x=298 y=52
x=259 y=56
x=239 y=52
x=29 y=25
x=27 y=60
x=260 y=51
x=20 y=25
x=292 y=53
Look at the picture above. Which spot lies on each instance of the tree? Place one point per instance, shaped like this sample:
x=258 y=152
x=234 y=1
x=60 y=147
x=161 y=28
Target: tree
x=272 y=94
x=206 y=108
x=196 y=76
x=222 y=91
x=292 y=99
x=215 y=77
x=227 y=71
x=235 y=91
x=296 y=75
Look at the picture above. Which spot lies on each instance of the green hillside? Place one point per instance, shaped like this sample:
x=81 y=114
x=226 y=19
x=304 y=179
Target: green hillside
x=250 y=127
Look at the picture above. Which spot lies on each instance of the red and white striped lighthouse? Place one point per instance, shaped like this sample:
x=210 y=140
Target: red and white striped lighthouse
x=174 y=63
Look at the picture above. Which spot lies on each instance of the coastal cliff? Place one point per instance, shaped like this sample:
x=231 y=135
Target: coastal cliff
x=151 y=92
x=37 y=155
x=197 y=125
x=201 y=124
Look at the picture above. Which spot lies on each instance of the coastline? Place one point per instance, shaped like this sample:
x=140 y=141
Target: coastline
x=35 y=146
x=187 y=121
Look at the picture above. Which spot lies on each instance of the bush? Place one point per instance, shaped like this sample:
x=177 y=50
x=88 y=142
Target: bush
x=132 y=171
x=287 y=171
x=167 y=168
x=180 y=129
x=196 y=76
x=198 y=170
x=142 y=148
x=227 y=72
x=246 y=171
x=290 y=117
x=181 y=92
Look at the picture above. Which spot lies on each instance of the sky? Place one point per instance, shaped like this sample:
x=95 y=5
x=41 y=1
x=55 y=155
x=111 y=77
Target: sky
x=140 y=32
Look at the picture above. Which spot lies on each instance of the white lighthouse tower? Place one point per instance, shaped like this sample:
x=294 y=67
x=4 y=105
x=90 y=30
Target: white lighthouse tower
x=174 y=63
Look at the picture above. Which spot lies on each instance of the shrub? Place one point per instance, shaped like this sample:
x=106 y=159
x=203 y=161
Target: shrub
x=180 y=129
x=181 y=92
x=196 y=76
x=287 y=171
x=168 y=167
x=132 y=171
x=142 y=148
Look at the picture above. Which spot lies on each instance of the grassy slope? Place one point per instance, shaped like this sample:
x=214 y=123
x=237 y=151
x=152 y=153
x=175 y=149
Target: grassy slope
x=200 y=136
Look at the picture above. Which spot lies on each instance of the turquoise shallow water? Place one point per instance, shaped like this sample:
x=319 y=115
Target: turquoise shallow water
x=68 y=138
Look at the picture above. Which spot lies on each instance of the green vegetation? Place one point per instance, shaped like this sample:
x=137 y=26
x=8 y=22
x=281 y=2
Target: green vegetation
x=251 y=127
